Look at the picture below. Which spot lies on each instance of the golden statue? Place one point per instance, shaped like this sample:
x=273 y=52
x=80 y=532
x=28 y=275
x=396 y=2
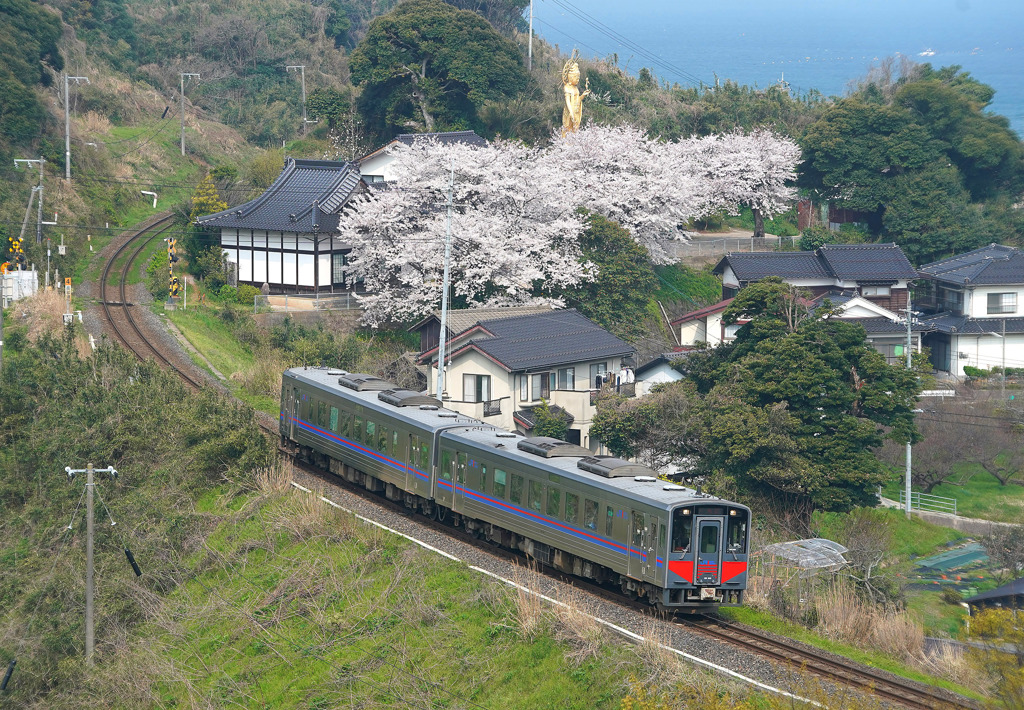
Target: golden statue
x=572 y=112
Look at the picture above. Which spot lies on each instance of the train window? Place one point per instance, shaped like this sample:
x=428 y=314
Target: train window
x=572 y=507
x=461 y=471
x=638 y=529
x=382 y=440
x=425 y=456
x=554 y=502
x=662 y=535
x=737 y=541
x=346 y=426
x=590 y=514
x=321 y=413
x=446 y=465
x=609 y=520
x=414 y=448
x=357 y=428
x=371 y=433
x=536 y=492
x=394 y=443
x=709 y=540
x=334 y=419
x=483 y=477
x=682 y=531
x=516 y=492
x=499 y=483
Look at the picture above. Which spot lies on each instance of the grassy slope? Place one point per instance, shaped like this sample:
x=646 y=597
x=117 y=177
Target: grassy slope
x=979 y=496
x=300 y=606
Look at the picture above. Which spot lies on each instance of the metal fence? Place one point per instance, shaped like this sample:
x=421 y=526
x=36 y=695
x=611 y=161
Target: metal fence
x=928 y=502
x=317 y=302
x=725 y=245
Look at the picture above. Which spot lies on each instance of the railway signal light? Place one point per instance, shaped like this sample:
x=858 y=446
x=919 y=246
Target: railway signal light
x=172 y=250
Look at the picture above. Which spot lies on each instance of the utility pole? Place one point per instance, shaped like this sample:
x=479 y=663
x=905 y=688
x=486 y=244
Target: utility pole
x=910 y=318
x=529 y=54
x=1002 y=380
x=444 y=288
x=67 y=123
x=302 y=74
x=38 y=188
x=183 y=75
x=90 y=639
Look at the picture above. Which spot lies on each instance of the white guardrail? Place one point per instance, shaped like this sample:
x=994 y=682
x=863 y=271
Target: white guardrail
x=291 y=302
x=928 y=502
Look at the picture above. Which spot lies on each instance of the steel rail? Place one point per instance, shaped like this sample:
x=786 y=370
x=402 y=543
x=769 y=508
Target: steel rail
x=137 y=239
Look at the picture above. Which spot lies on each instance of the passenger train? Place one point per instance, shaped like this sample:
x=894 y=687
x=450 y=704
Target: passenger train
x=598 y=517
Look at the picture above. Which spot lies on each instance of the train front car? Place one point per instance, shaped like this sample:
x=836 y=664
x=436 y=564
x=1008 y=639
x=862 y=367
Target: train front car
x=708 y=554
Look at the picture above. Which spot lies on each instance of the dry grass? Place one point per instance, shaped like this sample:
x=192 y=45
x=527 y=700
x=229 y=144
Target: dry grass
x=304 y=516
x=273 y=479
x=94 y=123
x=843 y=616
x=576 y=626
x=263 y=377
x=531 y=613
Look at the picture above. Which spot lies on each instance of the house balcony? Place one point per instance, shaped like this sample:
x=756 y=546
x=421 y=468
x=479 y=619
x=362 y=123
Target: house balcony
x=477 y=410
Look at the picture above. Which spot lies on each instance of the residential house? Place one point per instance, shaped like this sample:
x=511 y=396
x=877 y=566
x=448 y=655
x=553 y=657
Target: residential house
x=879 y=273
x=975 y=309
x=502 y=363
x=287 y=237
x=377 y=166
x=657 y=371
x=885 y=330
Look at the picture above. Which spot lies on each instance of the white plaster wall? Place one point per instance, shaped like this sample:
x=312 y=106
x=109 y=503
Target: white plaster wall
x=986 y=351
x=379 y=164
x=976 y=301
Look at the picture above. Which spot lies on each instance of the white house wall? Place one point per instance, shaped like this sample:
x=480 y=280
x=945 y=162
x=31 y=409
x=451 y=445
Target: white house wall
x=377 y=166
x=976 y=302
x=985 y=351
x=293 y=265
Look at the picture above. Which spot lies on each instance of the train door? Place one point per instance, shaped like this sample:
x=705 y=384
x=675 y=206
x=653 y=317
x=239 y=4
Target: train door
x=291 y=411
x=709 y=551
x=641 y=556
x=459 y=490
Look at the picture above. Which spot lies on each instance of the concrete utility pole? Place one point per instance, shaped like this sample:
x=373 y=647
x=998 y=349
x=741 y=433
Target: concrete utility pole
x=183 y=75
x=67 y=123
x=90 y=639
x=302 y=74
x=444 y=289
x=529 y=54
x=38 y=188
x=910 y=319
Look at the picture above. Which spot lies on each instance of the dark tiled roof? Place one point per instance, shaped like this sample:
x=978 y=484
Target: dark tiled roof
x=843 y=262
x=785 y=264
x=991 y=265
x=462 y=319
x=867 y=262
x=952 y=323
x=302 y=182
x=535 y=342
x=706 y=311
x=884 y=326
x=467 y=137
x=528 y=417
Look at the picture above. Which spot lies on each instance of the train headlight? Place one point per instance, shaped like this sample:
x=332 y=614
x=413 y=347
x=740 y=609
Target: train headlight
x=732 y=513
x=686 y=511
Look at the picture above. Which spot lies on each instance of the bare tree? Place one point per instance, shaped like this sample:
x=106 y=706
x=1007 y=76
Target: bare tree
x=1005 y=549
x=942 y=448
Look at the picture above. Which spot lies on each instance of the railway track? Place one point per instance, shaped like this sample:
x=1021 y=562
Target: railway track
x=889 y=688
x=118 y=311
x=883 y=686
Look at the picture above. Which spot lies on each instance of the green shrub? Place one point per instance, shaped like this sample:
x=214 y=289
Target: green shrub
x=246 y=294
x=228 y=293
x=975 y=372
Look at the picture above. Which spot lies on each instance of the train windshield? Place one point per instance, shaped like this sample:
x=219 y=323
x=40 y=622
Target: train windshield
x=682 y=530
x=737 y=535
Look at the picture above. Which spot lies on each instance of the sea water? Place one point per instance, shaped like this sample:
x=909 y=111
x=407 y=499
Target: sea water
x=809 y=44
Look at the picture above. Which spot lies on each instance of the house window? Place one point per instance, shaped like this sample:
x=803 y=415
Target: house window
x=731 y=330
x=524 y=388
x=540 y=386
x=476 y=388
x=875 y=290
x=1002 y=302
x=338 y=264
x=567 y=378
x=597 y=374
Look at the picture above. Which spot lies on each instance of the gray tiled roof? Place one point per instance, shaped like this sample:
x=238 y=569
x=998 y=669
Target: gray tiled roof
x=867 y=262
x=785 y=264
x=884 y=326
x=468 y=137
x=952 y=323
x=543 y=340
x=991 y=265
x=528 y=417
x=287 y=205
x=462 y=319
x=843 y=262
x=1011 y=589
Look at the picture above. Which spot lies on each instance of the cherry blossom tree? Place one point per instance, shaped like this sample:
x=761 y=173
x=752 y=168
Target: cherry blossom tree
x=753 y=169
x=512 y=229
